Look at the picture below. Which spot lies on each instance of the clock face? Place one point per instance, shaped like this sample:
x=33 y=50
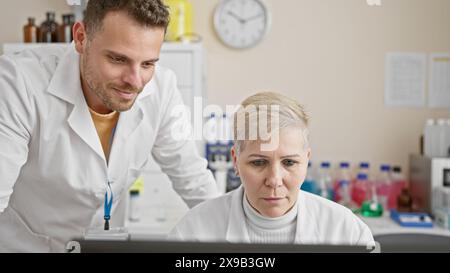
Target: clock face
x=241 y=23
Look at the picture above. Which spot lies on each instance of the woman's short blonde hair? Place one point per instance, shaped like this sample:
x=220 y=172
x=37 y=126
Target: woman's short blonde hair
x=270 y=110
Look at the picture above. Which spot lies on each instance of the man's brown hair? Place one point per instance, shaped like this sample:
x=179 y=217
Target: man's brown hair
x=149 y=13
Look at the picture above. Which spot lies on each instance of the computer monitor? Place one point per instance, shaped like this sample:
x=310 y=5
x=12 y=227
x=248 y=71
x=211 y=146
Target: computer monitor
x=89 y=246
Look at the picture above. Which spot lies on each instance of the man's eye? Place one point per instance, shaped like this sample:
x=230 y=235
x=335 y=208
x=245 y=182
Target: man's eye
x=148 y=65
x=116 y=59
x=289 y=162
x=258 y=163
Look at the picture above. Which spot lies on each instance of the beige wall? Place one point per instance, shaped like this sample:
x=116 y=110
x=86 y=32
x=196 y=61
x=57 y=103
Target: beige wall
x=14 y=14
x=329 y=54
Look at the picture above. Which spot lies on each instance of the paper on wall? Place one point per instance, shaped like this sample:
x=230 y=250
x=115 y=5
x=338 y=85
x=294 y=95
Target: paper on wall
x=439 y=86
x=405 y=77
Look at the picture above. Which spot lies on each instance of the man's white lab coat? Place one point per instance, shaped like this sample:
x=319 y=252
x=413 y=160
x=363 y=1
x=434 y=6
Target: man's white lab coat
x=53 y=170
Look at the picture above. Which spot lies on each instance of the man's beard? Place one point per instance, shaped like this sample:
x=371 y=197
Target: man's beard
x=104 y=92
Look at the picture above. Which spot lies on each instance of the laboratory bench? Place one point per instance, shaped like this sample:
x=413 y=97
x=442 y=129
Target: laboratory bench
x=385 y=225
x=394 y=238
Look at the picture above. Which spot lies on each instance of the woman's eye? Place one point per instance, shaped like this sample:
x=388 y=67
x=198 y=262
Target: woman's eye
x=289 y=163
x=258 y=163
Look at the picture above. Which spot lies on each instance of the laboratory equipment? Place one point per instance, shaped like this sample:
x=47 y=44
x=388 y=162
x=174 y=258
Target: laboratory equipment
x=411 y=219
x=371 y=206
x=427 y=174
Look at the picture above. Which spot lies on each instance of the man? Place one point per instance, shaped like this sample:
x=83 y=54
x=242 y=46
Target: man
x=78 y=124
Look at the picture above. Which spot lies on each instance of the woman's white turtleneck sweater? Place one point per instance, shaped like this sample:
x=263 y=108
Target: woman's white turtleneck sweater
x=280 y=230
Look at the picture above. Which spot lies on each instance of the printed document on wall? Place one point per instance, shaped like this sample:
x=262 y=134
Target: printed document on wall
x=405 y=79
x=439 y=90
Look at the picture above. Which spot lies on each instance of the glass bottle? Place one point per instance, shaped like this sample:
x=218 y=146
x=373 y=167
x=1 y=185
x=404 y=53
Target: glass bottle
x=30 y=32
x=72 y=23
x=49 y=29
x=398 y=183
x=65 y=30
x=404 y=201
x=371 y=207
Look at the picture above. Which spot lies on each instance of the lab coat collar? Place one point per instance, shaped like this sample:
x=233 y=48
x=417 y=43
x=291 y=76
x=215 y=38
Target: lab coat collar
x=306 y=229
x=66 y=85
x=307 y=232
x=237 y=227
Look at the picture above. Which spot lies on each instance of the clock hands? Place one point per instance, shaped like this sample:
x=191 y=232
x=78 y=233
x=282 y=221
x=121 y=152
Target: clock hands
x=241 y=20
x=253 y=17
x=244 y=20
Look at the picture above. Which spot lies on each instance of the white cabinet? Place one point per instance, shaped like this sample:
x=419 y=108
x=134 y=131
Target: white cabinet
x=160 y=206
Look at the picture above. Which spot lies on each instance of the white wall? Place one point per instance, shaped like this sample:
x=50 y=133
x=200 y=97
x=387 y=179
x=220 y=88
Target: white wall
x=329 y=55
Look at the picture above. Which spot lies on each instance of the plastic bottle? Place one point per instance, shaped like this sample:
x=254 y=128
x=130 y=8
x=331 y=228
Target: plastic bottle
x=343 y=177
x=30 y=31
x=428 y=138
x=398 y=183
x=49 y=29
x=135 y=200
x=324 y=182
x=364 y=167
x=310 y=184
x=442 y=141
x=359 y=190
x=383 y=185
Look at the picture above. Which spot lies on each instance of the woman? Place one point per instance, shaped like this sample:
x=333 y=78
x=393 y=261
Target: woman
x=269 y=207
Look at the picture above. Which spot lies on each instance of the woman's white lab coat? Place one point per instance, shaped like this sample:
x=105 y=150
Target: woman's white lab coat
x=53 y=170
x=319 y=221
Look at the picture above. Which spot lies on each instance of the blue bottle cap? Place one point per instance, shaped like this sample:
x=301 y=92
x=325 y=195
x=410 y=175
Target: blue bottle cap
x=362 y=176
x=364 y=165
x=385 y=168
x=345 y=165
x=325 y=164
